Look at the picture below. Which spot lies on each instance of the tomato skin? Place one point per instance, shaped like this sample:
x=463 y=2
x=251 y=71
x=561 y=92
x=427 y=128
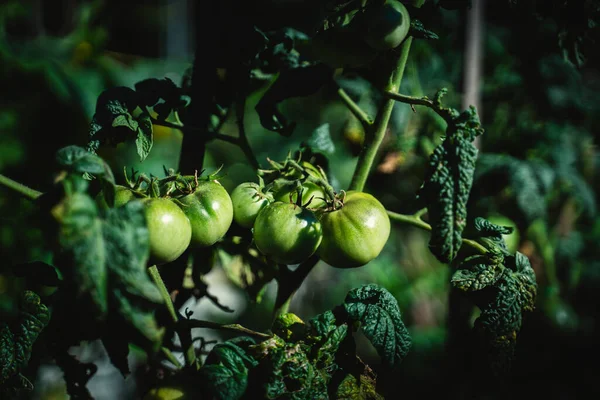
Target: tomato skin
x=309 y=190
x=287 y=233
x=387 y=26
x=356 y=233
x=170 y=230
x=210 y=212
x=247 y=203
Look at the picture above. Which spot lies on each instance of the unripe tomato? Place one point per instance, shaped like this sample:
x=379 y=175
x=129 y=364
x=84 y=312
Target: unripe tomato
x=247 y=203
x=354 y=234
x=387 y=26
x=287 y=233
x=165 y=393
x=309 y=190
x=210 y=212
x=512 y=240
x=170 y=230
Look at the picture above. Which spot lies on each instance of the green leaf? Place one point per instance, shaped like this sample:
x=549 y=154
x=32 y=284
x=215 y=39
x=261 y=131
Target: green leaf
x=320 y=140
x=491 y=235
x=351 y=389
x=292 y=375
x=448 y=182
x=115 y=121
x=78 y=159
x=476 y=273
x=144 y=140
x=381 y=322
x=104 y=261
x=226 y=371
x=323 y=323
x=16 y=340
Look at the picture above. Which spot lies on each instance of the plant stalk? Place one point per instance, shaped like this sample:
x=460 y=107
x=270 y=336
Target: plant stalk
x=416 y=221
x=23 y=190
x=182 y=330
x=369 y=151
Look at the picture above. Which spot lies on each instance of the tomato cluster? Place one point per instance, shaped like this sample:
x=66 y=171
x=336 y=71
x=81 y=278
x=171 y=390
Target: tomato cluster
x=292 y=217
x=346 y=233
x=196 y=219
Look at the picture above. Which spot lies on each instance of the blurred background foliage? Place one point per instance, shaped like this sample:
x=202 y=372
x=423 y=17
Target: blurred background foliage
x=538 y=167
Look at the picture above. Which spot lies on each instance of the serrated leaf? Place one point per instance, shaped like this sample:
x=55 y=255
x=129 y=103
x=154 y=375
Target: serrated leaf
x=476 y=273
x=293 y=376
x=104 y=261
x=226 y=371
x=114 y=121
x=323 y=323
x=351 y=389
x=379 y=315
x=144 y=139
x=448 y=183
x=78 y=159
x=486 y=229
x=16 y=340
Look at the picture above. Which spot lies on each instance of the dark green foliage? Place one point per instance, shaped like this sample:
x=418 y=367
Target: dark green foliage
x=311 y=362
x=379 y=315
x=574 y=22
x=16 y=341
x=226 y=371
x=118 y=119
x=104 y=259
x=528 y=183
x=362 y=389
x=503 y=287
x=77 y=159
x=448 y=182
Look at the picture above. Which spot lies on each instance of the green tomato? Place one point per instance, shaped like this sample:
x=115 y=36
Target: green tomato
x=512 y=240
x=309 y=190
x=287 y=233
x=123 y=195
x=165 y=393
x=354 y=234
x=210 y=212
x=386 y=26
x=170 y=230
x=247 y=203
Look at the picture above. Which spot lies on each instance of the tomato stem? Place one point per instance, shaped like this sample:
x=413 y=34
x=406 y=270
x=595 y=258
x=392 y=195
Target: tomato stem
x=379 y=128
x=23 y=190
x=355 y=109
x=289 y=282
x=183 y=332
x=420 y=101
x=171 y=357
x=416 y=221
x=196 y=323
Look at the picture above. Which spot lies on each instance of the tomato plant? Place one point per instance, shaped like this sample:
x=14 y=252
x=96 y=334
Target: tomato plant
x=144 y=231
x=287 y=233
